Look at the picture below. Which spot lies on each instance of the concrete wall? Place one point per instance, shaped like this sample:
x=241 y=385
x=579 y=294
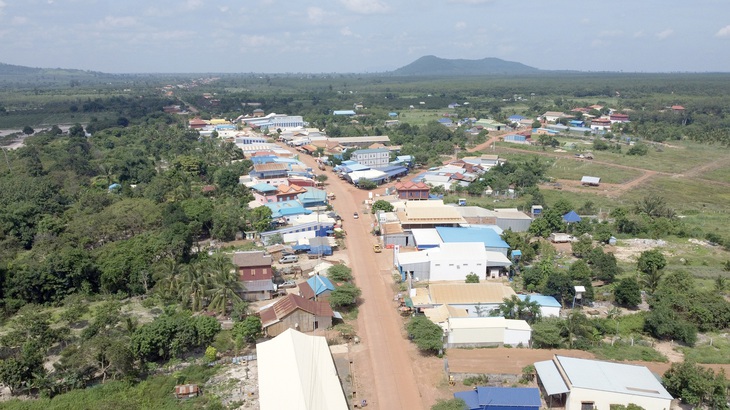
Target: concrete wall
x=603 y=400
x=474 y=337
x=548 y=311
x=514 y=337
x=419 y=271
x=444 y=270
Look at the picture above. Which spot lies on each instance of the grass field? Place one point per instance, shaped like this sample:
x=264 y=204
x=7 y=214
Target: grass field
x=575 y=170
x=721 y=174
x=703 y=352
x=422 y=116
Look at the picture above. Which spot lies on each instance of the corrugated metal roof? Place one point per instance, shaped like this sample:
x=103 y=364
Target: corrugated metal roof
x=440 y=313
x=467 y=293
x=613 y=377
x=590 y=180
x=488 y=237
x=251 y=258
x=542 y=300
x=550 y=377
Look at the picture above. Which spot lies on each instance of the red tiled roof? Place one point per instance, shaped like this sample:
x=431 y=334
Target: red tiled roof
x=306 y=291
x=290 y=189
x=290 y=303
x=677 y=107
x=411 y=186
x=251 y=259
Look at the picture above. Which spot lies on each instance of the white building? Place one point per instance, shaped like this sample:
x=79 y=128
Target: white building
x=578 y=384
x=486 y=331
x=376 y=157
x=297 y=372
x=453 y=261
x=478 y=299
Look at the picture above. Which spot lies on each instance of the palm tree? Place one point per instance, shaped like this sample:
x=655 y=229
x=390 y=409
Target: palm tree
x=194 y=286
x=224 y=287
x=169 y=279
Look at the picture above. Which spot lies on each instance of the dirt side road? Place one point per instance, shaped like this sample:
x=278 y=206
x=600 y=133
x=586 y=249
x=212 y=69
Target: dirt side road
x=384 y=373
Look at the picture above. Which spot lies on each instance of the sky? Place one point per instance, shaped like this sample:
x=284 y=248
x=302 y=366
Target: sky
x=363 y=36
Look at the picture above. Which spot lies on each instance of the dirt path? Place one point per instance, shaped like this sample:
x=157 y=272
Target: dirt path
x=486 y=145
x=384 y=374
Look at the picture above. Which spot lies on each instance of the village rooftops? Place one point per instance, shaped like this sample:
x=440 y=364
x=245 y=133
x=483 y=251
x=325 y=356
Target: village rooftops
x=252 y=258
x=271 y=166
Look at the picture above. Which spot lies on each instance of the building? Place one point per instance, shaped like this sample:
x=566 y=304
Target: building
x=618 y=117
x=378 y=157
x=501 y=398
x=516 y=139
x=410 y=190
x=254 y=271
x=577 y=384
x=487 y=295
x=295 y=312
x=428 y=214
x=273 y=173
x=590 y=181
x=263 y=193
x=343 y=112
x=287 y=192
x=553 y=116
x=512 y=219
x=297 y=372
x=468 y=332
x=549 y=306
x=317 y=287
x=488 y=237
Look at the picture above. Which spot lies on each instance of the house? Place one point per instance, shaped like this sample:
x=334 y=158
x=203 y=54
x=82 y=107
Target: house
x=677 y=108
x=488 y=237
x=258 y=112
x=618 y=117
x=590 y=181
x=254 y=271
x=263 y=193
x=601 y=124
x=313 y=198
x=516 y=139
x=362 y=141
x=271 y=173
x=197 y=123
x=515 y=118
x=187 y=391
x=487 y=295
x=549 y=306
x=286 y=192
x=377 y=157
x=469 y=332
x=297 y=372
x=428 y=214
x=553 y=116
x=577 y=384
x=571 y=217
x=343 y=112
x=501 y=398
x=317 y=287
x=295 y=312
x=287 y=209
x=409 y=190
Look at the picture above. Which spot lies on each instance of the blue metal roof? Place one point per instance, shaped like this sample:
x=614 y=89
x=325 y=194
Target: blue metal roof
x=542 y=300
x=320 y=284
x=393 y=170
x=502 y=397
x=516 y=118
x=571 y=217
x=264 y=187
x=489 y=237
x=287 y=208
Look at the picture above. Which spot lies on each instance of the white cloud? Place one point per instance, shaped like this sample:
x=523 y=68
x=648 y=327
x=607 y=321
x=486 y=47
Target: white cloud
x=365 y=6
x=192 y=4
x=345 y=31
x=460 y=25
x=585 y=20
x=19 y=21
x=2 y=7
x=116 y=22
x=639 y=34
x=599 y=43
x=664 y=34
x=257 y=41
x=610 y=33
x=316 y=15
x=723 y=32
x=224 y=9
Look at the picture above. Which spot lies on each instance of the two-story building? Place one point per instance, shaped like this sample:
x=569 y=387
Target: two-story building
x=409 y=190
x=254 y=271
x=378 y=157
x=270 y=173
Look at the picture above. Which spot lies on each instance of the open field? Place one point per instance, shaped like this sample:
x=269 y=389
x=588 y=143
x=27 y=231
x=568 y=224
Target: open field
x=575 y=170
x=721 y=174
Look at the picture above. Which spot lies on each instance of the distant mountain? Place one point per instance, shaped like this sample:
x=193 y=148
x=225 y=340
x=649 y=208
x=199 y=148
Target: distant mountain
x=432 y=65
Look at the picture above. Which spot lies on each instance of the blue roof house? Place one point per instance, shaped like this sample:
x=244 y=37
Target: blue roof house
x=313 y=197
x=491 y=239
x=320 y=285
x=286 y=209
x=501 y=398
x=549 y=306
x=516 y=118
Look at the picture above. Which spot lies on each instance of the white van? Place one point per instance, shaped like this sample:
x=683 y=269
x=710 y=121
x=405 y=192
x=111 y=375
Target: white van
x=289 y=259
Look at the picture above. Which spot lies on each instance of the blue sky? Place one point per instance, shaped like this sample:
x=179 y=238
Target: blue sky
x=276 y=36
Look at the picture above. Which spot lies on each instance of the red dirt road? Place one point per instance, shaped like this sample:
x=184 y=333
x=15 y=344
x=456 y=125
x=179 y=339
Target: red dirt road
x=384 y=373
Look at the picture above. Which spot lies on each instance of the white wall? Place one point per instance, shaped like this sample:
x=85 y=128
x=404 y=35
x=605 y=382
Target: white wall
x=454 y=269
x=475 y=337
x=514 y=337
x=603 y=400
x=548 y=311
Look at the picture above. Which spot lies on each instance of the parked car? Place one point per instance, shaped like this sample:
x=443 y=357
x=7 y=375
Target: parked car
x=377 y=248
x=287 y=284
x=355 y=215
x=289 y=259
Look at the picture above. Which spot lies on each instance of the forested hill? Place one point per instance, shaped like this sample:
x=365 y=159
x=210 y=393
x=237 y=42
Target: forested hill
x=432 y=65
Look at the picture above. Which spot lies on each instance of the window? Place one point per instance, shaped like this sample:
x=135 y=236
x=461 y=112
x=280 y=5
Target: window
x=587 y=405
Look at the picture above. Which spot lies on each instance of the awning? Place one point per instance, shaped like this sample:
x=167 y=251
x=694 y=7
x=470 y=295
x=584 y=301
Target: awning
x=550 y=377
x=300 y=247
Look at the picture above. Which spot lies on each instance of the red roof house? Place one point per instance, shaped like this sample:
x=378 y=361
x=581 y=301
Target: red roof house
x=412 y=190
x=295 y=312
x=254 y=270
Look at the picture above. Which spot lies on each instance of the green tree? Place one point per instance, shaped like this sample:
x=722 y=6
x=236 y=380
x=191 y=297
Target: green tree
x=249 y=329
x=452 y=404
x=560 y=286
x=382 y=205
x=651 y=264
x=224 y=286
x=546 y=334
x=428 y=336
x=260 y=218
x=210 y=354
x=27 y=130
x=627 y=293
x=345 y=295
x=516 y=308
x=339 y=273
x=472 y=278
x=365 y=183
x=696 y=385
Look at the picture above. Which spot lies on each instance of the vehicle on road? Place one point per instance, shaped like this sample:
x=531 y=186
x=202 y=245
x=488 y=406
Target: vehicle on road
x=289 y=259
x=355 y=215
x=377 y=248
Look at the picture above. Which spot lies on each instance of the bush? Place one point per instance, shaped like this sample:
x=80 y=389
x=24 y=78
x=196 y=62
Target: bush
x=428 y=336
x=628 y=293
